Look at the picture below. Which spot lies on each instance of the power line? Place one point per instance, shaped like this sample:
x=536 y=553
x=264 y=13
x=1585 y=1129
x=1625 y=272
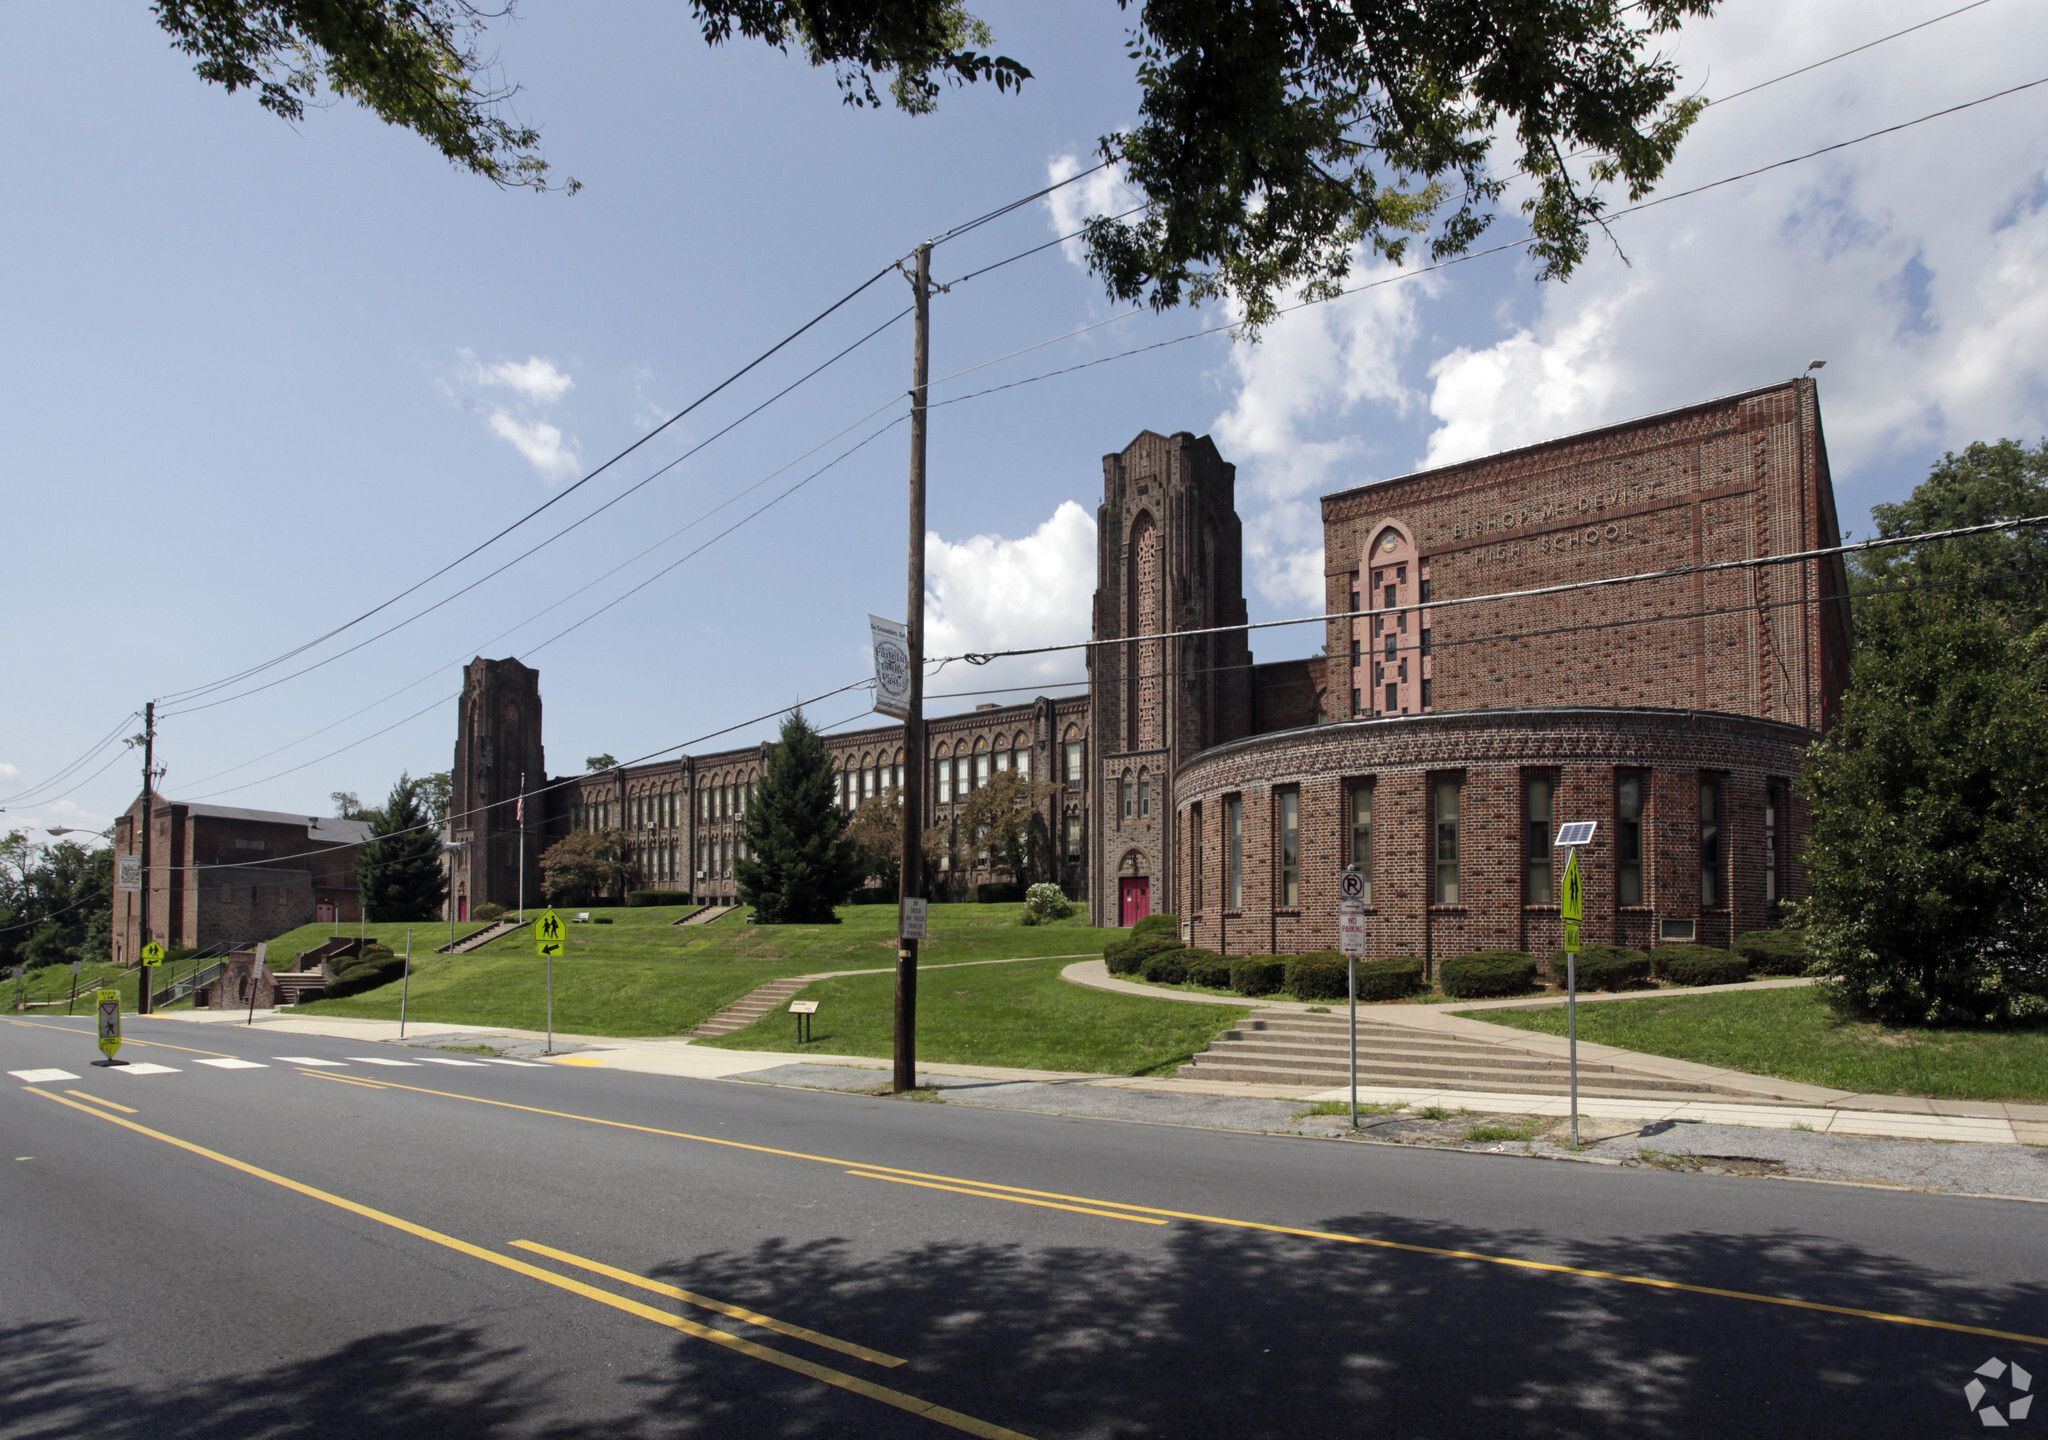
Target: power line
x=98 y=745
x=1854 y=50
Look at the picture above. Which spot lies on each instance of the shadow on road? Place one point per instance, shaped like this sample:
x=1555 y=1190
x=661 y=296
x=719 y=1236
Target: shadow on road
x=1197 y=1331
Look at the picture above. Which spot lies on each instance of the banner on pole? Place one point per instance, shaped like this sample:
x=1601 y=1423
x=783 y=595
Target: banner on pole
x=892 y=666
x=128 y=872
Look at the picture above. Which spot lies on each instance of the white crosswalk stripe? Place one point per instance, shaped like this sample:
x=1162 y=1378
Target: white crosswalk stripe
x=41 y=1077
x=444 y=1060
x=309 y=1060
x=380 y=1060
x=145 y=1068
x=501 y=1060
x=232 y=1064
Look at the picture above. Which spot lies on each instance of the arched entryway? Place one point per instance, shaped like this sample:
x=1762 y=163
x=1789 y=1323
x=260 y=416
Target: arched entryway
x=1133 y=889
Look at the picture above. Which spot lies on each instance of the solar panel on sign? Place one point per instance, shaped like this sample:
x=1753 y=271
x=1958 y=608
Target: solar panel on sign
x=1577 y=832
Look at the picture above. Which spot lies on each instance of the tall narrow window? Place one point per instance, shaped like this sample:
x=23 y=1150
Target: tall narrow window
x=1290 y=848
x=1428 y=689
x=1024 y=764
x=1445 y=810
x=1361 y=835
x=1073 y=837
x=1233 y=853
x=1144 y=797
x=1538 y=791
x=1771 y=802
x=1127 y=799
x=1195 y=855
x=981 y=770
x=1356 y=645
x=1712 y=889
x=1628 y=840
x=1074 y=764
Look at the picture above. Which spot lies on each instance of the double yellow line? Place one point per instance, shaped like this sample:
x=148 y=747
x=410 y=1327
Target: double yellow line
x=940 y=1414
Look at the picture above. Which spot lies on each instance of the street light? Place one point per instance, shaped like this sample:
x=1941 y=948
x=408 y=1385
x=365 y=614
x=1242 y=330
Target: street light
x=448 y=849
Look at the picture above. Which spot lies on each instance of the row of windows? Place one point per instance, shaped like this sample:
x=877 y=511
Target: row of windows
x=868 y=781
x=1539 y=828
x=963 y=775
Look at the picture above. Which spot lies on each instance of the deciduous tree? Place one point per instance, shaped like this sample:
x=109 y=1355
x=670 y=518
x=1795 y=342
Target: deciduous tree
x=588 y=865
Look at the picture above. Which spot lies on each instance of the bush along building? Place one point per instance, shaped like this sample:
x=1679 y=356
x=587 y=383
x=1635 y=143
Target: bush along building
x=1436 y=746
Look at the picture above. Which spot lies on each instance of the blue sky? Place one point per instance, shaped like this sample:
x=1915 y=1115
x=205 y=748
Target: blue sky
x=261 y=377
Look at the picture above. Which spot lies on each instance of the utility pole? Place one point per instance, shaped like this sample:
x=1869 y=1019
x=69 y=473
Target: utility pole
x=911 y=886
x=142 y=975
x=519 y=814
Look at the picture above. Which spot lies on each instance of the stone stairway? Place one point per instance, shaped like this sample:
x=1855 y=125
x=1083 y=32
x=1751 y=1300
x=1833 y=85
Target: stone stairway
x=751 y=1007
x=482 y=937
x=1302 y=1049
x=710 y=913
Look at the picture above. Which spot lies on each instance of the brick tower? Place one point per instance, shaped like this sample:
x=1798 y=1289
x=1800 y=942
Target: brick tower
x=499 y=740
x=1169 y=558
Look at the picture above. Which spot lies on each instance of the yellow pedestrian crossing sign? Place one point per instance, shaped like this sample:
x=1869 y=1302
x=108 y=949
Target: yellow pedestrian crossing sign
x=153 y=953
x=547 y=934
x=1571 y=902
x=110 y=1022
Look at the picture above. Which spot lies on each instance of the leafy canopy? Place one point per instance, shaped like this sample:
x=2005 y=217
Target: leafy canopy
x=1277 y=139
x=587 y=864
x=1929 y=796
x=56 y=902
x=797 y=863
x=1001 y=825
x=398 y=870
x=875 y=830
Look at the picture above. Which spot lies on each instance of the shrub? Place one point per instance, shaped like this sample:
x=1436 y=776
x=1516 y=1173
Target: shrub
x=1206 y=967
x=1486 y=973
x=998 y=892
x=1048 y=902
x=1389 y=979
x=1320 y=976
x=1166 y=967
x=1158 y=925
x=364 y=975
x=1773 y=952
x=1699 y=965
x=1258 y=974
x=1125 y=956
x=657 y=897
x=1605 y=967
x=488 y=911
x=1028 y=916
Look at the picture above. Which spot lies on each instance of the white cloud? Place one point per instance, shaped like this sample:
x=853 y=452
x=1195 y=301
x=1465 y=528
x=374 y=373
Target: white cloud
x=1072 y=206
x=8 y=772
x=541 y=443
x=988 y=593
x=536 y=380
x=1309 y=369
x=1916 y=264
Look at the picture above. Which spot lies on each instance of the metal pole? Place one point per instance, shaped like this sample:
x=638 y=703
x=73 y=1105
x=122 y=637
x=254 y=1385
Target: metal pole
x=911 y=885
x=1353 y=959
x=405 y=985
x=148 y=831
x=522 y=847
x=551 y=1007
x=1571 y=1010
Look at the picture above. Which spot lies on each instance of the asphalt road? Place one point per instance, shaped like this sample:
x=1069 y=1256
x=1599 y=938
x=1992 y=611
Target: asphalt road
x=349 y=1249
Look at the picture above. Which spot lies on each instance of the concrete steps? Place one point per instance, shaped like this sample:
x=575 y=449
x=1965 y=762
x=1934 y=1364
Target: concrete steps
x=750 y=1007
x=482 y=937
x=1313 y=1050
x=710 y=913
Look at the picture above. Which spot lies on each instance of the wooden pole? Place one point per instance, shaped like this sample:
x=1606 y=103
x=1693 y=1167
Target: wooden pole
x=143 y=977
x=911 y=886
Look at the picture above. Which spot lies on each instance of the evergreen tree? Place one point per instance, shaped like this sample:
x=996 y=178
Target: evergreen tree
x=798 y=863
x=398 y=870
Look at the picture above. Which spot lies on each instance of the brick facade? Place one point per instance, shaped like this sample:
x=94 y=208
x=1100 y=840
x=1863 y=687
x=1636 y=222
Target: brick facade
x=1718 y=678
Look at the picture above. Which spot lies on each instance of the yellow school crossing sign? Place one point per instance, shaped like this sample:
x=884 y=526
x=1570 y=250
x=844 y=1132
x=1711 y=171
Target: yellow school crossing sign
x=153 y=953
x=110 y=1022
x=1571 y=903
x=547 y=935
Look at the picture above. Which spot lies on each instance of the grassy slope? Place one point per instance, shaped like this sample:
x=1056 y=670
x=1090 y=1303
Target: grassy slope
x=426 y=935
x=1022 y=1015
x=53 y=982
x=644 y=975
x=1793 y=1035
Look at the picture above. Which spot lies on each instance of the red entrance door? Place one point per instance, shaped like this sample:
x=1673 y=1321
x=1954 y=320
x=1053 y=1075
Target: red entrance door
x=462 y=907
x=1137 y=901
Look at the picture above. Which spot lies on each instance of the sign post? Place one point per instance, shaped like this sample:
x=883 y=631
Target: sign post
x=145 y=978
x=256 y=979
x=110 y=1027
x=72 y=1000
x=547 y=940
x=405 y=984
x=1571 y=908
x=1351 y=940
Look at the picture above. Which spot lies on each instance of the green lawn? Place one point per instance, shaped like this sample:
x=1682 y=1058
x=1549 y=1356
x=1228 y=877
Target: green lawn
x=1793 y=1035
x=1022 y=1015
x=426 y=935
x=644 y=975
x=53 y=982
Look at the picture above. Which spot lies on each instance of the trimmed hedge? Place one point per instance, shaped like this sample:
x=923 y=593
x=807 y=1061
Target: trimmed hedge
x=1773 y=952
x=1206 y=967
x=657 y=897
x=1321 y=975
x=1125 y=956
x=1605 y=967
x=999 y=892
x=1394 y=978
x=1258 y=974
x=1484 y=974
x=488 y=911
x=375 y=967
x=1699 y=965
x=1158 y=925
x=1166 y=967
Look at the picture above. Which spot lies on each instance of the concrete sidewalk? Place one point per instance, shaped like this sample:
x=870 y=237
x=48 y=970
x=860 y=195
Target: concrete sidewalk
x=1901 y=1118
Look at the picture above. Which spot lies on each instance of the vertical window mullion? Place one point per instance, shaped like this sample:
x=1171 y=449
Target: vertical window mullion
x=1290 y=849
x=1361 y=836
